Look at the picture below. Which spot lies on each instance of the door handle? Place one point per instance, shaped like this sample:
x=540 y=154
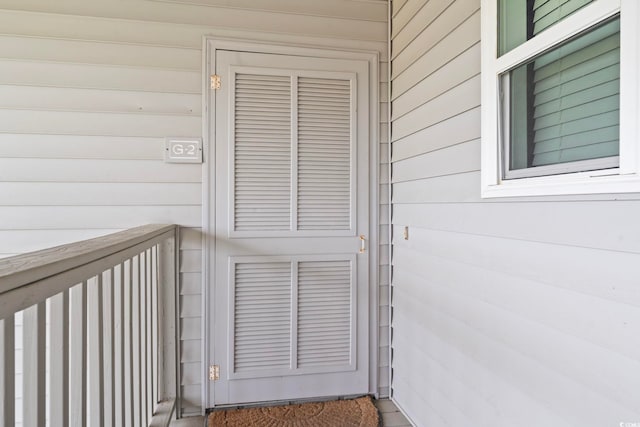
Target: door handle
x=363 y=241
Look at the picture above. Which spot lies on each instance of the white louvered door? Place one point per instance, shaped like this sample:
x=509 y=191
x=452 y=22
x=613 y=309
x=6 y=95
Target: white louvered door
x=290 y=292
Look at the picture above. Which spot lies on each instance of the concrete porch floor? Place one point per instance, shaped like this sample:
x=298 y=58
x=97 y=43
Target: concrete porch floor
x=391 y=417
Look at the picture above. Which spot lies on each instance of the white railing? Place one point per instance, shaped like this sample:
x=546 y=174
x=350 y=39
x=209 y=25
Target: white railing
x=98 y=334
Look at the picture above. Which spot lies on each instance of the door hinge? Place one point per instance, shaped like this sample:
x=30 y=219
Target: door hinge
x=214 y=372
x=215 y=81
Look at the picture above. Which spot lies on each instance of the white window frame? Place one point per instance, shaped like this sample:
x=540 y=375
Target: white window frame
x=622 y=179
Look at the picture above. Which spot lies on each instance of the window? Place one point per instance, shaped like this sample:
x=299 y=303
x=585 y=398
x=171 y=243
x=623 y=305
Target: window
x=560 y=97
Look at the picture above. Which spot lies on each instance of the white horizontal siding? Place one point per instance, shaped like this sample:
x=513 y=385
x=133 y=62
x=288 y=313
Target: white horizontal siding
x=462 y=127
x=449 y=47
x=95 y=217
x=366 y=10
x=461 y=98
x=553 y=222
x=90 y=89
x=462 y=68
x=95 y=194
x=69 y=99
x=436 y=30
x=96 y=171
x=92 y=123
x=106 y=53
x=250 y=19
x=99 y=77
x=527 y=310
x=41 y=146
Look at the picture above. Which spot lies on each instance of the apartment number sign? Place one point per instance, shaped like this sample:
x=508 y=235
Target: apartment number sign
x=183 y=150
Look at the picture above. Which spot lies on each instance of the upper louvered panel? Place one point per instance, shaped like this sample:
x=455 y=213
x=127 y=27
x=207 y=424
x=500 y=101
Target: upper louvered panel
x=324 y=154
x=262 y=152
x=324 y=313
x=262 y=310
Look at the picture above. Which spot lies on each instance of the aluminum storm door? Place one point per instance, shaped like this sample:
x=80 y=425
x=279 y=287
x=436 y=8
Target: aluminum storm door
x=291 y=295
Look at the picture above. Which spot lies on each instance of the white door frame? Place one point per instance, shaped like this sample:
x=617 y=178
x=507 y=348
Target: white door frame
x=210 y=46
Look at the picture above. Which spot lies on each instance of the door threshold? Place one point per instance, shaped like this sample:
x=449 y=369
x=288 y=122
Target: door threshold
x=268 y=403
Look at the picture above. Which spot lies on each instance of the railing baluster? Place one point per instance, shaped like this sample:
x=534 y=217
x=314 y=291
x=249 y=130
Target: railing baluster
x=153 y=346
x=100 y=352
x=174 y=290
x=143 y=339
x=154 y=326
x=108 y=354
x=78 y=356
x=7 y=371
x=161 y=323
x=95 y=354
x=33 y=366
x=59 y=360
x=149 y=351
x=127 y=289
x=118 y=345
x=137 y=375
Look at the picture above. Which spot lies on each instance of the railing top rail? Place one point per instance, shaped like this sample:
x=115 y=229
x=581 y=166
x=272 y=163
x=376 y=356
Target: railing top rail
x=21 y=270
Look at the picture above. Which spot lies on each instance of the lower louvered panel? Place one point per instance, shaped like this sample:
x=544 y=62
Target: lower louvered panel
x=324 y=313
x=262 y=316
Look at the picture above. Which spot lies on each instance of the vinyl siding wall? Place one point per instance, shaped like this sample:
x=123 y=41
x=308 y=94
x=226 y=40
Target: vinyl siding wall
x=522 y=311
x=89 y=89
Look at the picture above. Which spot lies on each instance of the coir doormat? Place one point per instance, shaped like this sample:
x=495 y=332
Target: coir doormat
x=359 y=412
